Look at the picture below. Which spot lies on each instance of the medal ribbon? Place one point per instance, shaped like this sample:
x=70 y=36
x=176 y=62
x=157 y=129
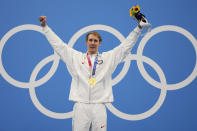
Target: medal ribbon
x=92 y=71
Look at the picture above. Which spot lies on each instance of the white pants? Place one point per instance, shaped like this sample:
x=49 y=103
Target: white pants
x=89 y=117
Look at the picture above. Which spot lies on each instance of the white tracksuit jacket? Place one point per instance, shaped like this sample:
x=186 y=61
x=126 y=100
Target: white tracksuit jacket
x=77 y=65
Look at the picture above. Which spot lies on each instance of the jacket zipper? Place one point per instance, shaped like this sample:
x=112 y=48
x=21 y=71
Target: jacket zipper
x=89 y=93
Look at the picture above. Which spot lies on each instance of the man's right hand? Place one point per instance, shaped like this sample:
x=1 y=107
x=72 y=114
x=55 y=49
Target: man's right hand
x=43 y=20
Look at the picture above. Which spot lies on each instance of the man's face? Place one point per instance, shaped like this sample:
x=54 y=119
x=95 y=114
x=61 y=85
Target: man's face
x=92 y=43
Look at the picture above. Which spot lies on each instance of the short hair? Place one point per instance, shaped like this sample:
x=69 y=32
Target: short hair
x=94 y=33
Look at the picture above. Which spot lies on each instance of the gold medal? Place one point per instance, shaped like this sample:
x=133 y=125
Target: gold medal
x=92 y=81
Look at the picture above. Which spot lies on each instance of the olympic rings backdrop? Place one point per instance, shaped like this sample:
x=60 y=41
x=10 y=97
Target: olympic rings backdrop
x=154 y=89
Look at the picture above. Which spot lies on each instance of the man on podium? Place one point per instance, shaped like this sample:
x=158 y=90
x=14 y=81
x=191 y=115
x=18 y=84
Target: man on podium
x=91 y=73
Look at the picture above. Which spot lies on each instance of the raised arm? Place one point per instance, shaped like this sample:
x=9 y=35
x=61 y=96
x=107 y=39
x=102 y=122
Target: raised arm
x=63 y=50
x=121 y=52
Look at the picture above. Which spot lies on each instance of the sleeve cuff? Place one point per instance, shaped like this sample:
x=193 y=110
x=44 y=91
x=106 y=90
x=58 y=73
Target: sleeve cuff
x=45 y=29
x=137 y=30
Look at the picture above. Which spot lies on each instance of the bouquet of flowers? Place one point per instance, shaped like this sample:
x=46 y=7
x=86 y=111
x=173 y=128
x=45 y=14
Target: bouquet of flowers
x=137 y=15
